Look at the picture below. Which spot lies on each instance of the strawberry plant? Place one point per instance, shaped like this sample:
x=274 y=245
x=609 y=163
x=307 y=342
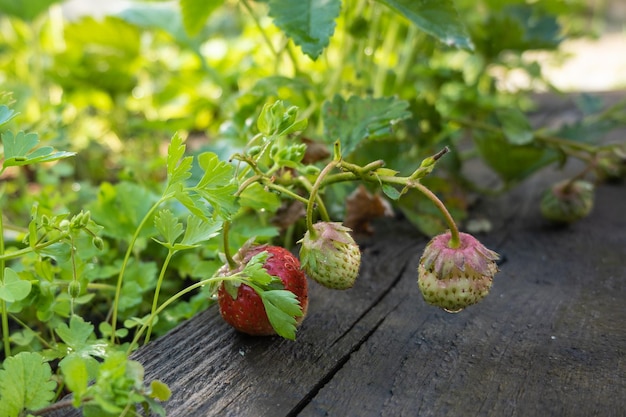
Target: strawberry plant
x=206 y=140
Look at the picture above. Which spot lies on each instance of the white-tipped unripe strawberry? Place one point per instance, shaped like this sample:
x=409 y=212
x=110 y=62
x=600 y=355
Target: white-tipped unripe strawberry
x=330 y=256
x=567 y=201
x=454 y=278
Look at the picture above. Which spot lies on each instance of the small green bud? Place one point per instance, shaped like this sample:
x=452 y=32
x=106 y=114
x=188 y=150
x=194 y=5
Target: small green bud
x=73 y=289
x=86 y=218
x=98 y=243
x=65 y=225
x=311 y=170
x=254 y=150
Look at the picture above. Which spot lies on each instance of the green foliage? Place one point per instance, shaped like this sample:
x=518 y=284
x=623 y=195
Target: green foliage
x=357 y=119
x=122 y=234
x=25 y=384
x=438 y=18
x=309 y=23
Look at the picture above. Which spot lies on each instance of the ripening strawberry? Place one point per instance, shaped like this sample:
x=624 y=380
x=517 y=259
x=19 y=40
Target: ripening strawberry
x=246 y=312
x=331 y=257
x=567 y=201
x=454 y=278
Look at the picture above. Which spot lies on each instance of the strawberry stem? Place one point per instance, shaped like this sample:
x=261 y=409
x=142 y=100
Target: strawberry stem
x=314 y=191
x=229 y=258
x=454 y=230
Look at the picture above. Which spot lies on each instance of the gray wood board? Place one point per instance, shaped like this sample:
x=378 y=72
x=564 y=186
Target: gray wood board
x=549 y=339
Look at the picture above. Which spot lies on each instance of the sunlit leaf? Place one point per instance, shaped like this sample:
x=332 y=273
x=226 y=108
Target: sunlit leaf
x=196 y=12
x=359 y=118
x=438 y=18
x=25 y=10
x=25 y=383
x=515 y=125
x=309 y=23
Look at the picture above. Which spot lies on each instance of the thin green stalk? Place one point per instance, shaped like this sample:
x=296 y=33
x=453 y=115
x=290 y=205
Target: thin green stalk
x=3 y=305
x=170 y=300
x=225 y=239
x=157 y=290
x=318 y=182
x=320 y=204
x=454 y=230
x=388 y=47
x=129 y=251
x=257 y=23
x=19 y=253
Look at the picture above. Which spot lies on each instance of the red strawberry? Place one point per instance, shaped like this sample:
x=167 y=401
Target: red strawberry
x=246 y=313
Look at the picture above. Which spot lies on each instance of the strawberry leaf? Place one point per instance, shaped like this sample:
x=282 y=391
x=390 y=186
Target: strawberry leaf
x=256 y=274
x=309 y=23
x=282 y=308
x=196 y=12
x=515 y=125
x=438 y=18
x=359 y=118
x=25 y=384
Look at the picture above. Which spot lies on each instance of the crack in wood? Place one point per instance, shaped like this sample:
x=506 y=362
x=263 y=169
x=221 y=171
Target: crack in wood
x=345 y=358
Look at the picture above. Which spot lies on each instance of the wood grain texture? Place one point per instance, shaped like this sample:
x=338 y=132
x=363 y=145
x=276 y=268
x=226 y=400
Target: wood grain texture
x=549 y=340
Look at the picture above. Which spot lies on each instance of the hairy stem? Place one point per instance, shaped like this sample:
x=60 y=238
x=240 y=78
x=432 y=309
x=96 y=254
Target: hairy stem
x=129 y=251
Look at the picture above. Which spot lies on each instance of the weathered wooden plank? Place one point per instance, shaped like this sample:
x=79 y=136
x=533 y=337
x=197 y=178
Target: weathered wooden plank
x=549 y=340
x=212 y=370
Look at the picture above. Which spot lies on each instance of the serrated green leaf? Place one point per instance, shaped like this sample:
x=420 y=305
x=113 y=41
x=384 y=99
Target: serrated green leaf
x=512 y=162
x=168 y=226
x=178 y=168
x=6 y=114
x=309 y=23
x=193 y=202
x=255 y=273
x=18 y=150
x=216 y=173
x=515 y=125
x=13 y=288
x=258 y=198
x=26 y=382
x=79 y=337
x=222 y=199
x=282 y=308
x=438 y=18
x=18 y=145
x=359 y=118
x=120 y=208
x=25 y=10
x=196 y=12
x=199 y=230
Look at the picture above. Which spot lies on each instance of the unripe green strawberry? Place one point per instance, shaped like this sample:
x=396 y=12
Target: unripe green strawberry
x=567 y=201
x=454 y=278
x=331 y=257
